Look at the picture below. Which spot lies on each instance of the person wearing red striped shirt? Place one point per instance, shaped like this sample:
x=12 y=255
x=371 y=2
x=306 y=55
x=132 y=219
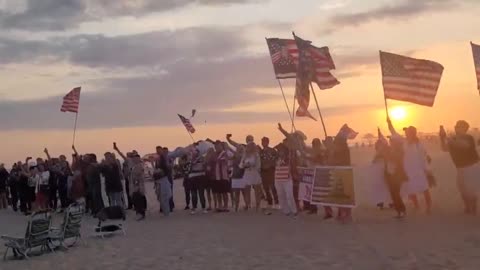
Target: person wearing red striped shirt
x=284 y=182
x=222 y=185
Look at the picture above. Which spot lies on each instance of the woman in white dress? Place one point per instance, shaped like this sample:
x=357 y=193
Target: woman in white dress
x=415 y=162
x=252 y=165
x=238 y=181
x=379 y=189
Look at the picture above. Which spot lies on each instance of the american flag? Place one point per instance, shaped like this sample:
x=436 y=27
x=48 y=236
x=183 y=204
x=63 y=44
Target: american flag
x=409 y=79
x=71 y=101
x=285 y=56
x=476 y=60
x=186 y=122
x=282 y=173
x=305 y=73
x=333 y=186
x=347 y=132
x=322 y=185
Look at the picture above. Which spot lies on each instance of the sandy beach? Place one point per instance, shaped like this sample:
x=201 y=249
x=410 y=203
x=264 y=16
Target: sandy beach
x=247 y=240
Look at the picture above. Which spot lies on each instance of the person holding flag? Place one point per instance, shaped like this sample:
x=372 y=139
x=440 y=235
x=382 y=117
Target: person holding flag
x=415 y=162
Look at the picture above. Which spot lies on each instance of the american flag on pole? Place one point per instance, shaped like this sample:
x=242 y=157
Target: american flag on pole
x=284 y=53
x=476 y=60
x=186 y=122
x=305 y=71
x=333 y=186
x=347 y=132
x=409 y=79
x=285 y=59
x=71 y=101
x=323 y=63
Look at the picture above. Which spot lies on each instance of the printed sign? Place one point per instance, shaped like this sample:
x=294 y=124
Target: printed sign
x=333 y=186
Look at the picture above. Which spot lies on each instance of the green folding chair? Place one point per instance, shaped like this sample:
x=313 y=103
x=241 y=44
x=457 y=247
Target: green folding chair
x=69 y=232
x=37 y=235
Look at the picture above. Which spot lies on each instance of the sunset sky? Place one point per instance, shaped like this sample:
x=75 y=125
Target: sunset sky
x=140 y=62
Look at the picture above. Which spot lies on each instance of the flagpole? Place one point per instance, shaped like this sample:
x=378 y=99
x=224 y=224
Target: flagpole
x=386 y=105
x=284 y=98
x=286 y=103
x=191 y=136
x=293 y=111
x=384 y=97
x=75 y=128
x=319 y=112
x=294 y=96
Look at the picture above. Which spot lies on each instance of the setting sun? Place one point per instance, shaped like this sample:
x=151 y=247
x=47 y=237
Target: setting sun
x=398 y=113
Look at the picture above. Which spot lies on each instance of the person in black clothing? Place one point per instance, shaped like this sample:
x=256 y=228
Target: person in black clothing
x=184 y=167
x=339 y=155
x=63 y=174
x=54 y=169
x=94 y=184
x=23 y=188
x=4 y=176
x=395 y=172
x=13 y=185
x=268 y=158
x=464 y=154
x=113 y=181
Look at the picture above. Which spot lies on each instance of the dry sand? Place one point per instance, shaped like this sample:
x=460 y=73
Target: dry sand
x=445 y=240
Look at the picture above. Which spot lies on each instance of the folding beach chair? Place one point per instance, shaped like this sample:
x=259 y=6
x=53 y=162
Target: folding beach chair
x=70 y=228
x=37 y=235
x=110 y=221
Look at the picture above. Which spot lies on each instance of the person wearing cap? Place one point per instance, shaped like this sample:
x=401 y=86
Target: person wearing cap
x=415 y=164
x=464 y=155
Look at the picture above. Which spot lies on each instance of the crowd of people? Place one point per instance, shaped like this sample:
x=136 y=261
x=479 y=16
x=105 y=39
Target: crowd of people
x=219 y=178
